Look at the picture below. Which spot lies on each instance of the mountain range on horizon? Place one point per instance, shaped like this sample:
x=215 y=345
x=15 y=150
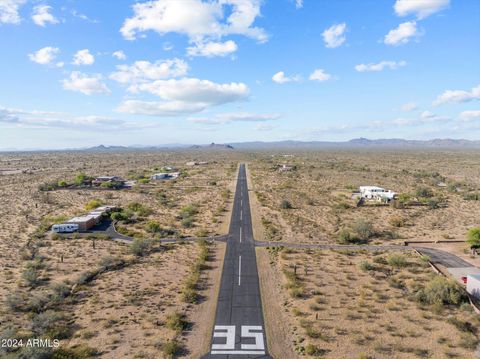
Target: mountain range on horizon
x=292 y=144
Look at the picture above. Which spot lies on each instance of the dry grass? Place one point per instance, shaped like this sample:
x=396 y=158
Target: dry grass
x=122 y=308
x=362 y=305
x=320 y=189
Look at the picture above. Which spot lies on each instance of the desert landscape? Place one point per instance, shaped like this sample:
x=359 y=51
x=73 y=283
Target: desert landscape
x=112 y=298
x=312 y=201
x=357 y=304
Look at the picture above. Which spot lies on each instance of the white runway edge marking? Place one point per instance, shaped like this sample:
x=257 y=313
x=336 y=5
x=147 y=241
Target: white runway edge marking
x=239 y=269
x=245 y=352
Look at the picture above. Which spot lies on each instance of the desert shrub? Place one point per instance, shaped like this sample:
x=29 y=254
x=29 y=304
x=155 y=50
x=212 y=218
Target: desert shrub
x=80 y=351
x=367 y=266
x=397 y=260
x=112 y=184
x=176 y=321
x=62 y=183
x=462 y=325
x=397 y=221
x=125 y=216
x=111 y=263
x=285 y=204
x=433 y=203
x=424 y=192
x=441 y=291
x=92 y=204
x=139 y=209
x=153 y=227
x=60 y=291
x=32 y=352
x=363 y=228
x=51 y=324
x=187 y=222
x=189 y=296
x=170 y=348
x=31 y=276
x=189 y=211
x=201 y=233
x=472 y=196
x=81 y=179
x=403 y=198
x=37 y=302
x=315 y=351
x=140 y=247
x=347 y=237
x=473 y=237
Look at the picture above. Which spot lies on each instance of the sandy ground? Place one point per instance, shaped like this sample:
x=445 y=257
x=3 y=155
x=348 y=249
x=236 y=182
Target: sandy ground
x=319 y=191
x=345 y=312
x=279 y=340
x=25 y=208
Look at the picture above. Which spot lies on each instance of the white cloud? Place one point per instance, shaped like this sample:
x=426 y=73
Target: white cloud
x=420 y=8
x=47 y=119
x=425 y=118
x=458 y=96
x=83 y=57
x=195 y=18
x=334 y=36
x=86 y=84
x=81 y=16
x=298 y=4
x=186 y=95
x=234 y=117
x=119 y=55
x=467 y=116
x=9 y=11
x=319 y=75
x=263 y=127
x=41 y=15
x=211 y=49
x=45 y=55
x=143 y=71
x=280 y=78
x=402 y=34
x=371 y=67
x=408 y=107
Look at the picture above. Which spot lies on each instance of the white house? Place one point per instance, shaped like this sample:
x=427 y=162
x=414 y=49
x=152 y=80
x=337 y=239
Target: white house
x=378 y=193
x=473 y=285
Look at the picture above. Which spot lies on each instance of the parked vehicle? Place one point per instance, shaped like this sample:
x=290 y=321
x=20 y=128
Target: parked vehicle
x=373 y=192
x=65 y=228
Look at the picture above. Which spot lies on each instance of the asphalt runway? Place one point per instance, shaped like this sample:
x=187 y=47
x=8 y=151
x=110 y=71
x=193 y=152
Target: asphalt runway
x=239 y=330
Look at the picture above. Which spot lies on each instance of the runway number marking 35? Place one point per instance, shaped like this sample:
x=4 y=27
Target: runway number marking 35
x=253 y=332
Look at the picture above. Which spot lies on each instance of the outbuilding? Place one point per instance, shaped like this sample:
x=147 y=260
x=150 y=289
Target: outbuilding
x=473 y=285
x=84 y=222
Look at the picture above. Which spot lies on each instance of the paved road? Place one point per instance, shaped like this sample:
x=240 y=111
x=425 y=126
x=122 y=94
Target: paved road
x=239 y=330
x=339 y=247
x=447 y=260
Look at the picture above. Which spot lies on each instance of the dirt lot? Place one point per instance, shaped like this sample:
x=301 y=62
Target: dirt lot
x=141 y=294
x=313 y=203
x=360 y=305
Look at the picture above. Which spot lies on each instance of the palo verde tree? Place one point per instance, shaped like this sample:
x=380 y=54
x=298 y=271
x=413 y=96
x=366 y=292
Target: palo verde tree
x=473 y=238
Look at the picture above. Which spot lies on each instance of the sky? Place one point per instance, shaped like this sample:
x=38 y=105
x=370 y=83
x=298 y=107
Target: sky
x=79 y=73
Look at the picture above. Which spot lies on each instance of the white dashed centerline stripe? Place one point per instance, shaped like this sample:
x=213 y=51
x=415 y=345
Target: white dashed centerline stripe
x=241 y=214
x=240 y=234
x=239 y=269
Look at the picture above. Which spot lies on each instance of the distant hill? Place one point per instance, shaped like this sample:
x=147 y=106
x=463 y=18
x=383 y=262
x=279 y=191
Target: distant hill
x=395 y=143
x=363 y=143
x=213 y=146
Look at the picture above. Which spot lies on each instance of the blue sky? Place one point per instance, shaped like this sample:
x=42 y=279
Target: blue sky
x=80 y=73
